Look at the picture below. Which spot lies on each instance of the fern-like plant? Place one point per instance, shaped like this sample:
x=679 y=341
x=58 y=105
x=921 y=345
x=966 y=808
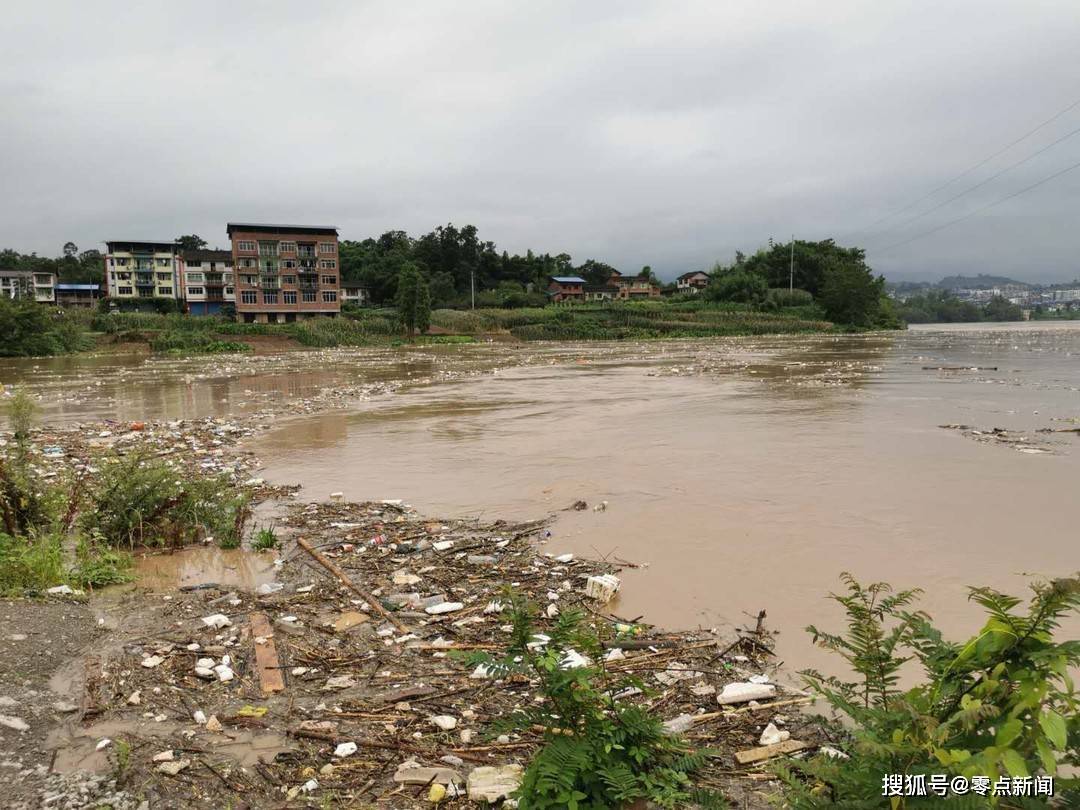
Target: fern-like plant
x=599 y=751
x=1002 y=704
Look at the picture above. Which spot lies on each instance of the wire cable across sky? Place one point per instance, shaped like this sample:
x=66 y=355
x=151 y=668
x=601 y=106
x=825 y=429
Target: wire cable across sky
x=986 y=207
x=968 y=171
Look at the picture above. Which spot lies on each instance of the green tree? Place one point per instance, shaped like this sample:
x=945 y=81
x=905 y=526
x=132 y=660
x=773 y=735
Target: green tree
x=850 y=294
x=737 y=285
x=191 y=241
x=413 y=301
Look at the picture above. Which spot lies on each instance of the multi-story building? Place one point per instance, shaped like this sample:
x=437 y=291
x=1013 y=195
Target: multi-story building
x=695 y=281
x=142 y=270
x=353 y=293
x=77 y=295
x=206 y=280
x=633 y=287
x=24 y=283
x=285 y=272
x=566 y=288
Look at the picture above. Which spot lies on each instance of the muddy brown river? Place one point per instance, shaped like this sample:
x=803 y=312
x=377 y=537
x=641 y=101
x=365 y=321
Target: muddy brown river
x=743 y=474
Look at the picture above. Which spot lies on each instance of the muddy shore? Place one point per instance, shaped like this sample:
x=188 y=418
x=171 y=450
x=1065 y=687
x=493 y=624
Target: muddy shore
x=244 y=691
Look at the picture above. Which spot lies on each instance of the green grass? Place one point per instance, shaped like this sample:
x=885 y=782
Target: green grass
x=264 y=538
x=181 y=342
x=31 y=564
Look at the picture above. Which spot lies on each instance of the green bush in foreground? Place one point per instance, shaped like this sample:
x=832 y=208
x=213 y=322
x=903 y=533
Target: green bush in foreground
x=598 y=752
x=1001 y=704
x=145 y=502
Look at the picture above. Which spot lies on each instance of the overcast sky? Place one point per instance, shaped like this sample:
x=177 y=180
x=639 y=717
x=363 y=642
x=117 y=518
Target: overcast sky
x=660 y=133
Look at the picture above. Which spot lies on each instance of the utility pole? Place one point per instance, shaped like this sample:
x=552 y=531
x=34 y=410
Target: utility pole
x=791 y=276
x=472 y=286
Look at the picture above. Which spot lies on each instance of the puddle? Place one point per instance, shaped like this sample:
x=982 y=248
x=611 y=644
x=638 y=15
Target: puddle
x=200 y=565
x=74 y=747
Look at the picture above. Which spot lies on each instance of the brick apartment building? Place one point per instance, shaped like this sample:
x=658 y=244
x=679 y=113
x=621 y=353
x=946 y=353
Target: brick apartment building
x=142 y=269
x=285 y=273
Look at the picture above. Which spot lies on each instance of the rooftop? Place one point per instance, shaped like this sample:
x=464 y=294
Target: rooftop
x=88 y=287
x=207 y=255
x=279 y=228
x=568 y=279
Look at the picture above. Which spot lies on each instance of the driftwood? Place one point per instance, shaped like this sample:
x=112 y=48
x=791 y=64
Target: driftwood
x=352 y=586
x=959 y=368
x=769 y=751
x=266 y=657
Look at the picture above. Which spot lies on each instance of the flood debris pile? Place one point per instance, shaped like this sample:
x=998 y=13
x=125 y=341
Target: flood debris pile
x=345 y=680
x=1020 y=441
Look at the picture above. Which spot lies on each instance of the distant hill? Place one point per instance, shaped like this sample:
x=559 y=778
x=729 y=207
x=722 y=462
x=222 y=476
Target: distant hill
x=979 y=282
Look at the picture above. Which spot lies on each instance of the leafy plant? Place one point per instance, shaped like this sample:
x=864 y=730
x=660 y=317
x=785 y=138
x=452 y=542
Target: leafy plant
x=30 y=564
x=145 y=502
x=1001 y=704
x=599 y=751
x=264 y=538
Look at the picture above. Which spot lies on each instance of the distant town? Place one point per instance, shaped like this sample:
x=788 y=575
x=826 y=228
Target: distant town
x=982 y=289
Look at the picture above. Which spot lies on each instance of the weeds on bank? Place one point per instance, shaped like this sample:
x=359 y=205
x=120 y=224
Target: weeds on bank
x=79 y=529
x=144 y=502
x=598 y=751
x=1001 y=704
x=264 y=538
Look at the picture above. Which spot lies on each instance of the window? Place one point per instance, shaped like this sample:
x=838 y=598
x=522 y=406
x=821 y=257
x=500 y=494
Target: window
x=270 y=297
x=245 y=245
x=195 y=277
x=121 y=262
x=194 y=264
x=329 y=296
x=289 y=296
x=249 y=297
x=288 y=279
x=328 y=264
x=228 y=278
x=288 y=264
x=268 y=248
x=287 y=247
x=123 y=290
x=164 y=290
x=329 y=279
x=306 y=251
x=247 y=263
x=252 y=280
x=268 y=266
x=195 y=291
x=164 y=276
x=327 y=248
x=308 y=296
x=162 y=262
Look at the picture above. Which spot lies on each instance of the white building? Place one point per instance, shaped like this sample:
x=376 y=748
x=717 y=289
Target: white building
x=206 y=280
x=142 y=270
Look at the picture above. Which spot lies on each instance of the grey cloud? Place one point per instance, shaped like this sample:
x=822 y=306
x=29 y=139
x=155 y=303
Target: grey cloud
x=639 y=133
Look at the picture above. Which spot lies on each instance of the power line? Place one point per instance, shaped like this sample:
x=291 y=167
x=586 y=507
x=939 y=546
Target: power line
x=983 y=208
x=982 y=183
x=968 y=171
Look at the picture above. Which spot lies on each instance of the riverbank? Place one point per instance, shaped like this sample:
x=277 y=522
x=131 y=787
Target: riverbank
x=175 y=695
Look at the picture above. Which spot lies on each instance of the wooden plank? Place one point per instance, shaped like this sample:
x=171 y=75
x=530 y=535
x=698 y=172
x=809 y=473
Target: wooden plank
x=769 y=751
x=266 y=657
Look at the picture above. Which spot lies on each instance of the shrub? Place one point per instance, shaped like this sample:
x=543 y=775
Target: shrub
x=1000 y=704
x=781 y=297
x=598 y=751
x=140 y=502
x=264 y=538
x=30 y=563
x=741 y=286
x=195 y=343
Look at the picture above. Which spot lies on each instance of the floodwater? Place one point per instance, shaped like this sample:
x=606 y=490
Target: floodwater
x=745 y=473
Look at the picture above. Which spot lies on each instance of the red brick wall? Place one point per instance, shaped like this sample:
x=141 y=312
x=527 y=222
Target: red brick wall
x=318 y=306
